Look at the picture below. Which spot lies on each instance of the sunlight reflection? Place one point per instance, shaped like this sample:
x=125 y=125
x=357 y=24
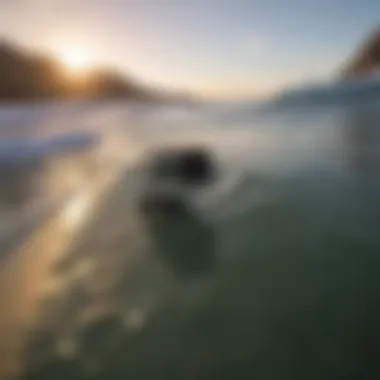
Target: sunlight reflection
x=74 y=214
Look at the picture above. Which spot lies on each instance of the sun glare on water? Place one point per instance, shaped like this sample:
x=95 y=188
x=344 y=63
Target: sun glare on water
x=76 y=211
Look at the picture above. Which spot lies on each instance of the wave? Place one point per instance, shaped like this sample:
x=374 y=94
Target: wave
x=332 y=93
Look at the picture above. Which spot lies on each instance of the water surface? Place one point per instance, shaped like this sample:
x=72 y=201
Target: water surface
x=289 y=284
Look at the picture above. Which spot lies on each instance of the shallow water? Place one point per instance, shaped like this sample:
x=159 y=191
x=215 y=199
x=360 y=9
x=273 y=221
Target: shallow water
x=275 y=276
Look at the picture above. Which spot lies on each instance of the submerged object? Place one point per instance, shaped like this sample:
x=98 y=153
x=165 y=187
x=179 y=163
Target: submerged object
x=174 y=177
x=163 y=203
x=184 y=241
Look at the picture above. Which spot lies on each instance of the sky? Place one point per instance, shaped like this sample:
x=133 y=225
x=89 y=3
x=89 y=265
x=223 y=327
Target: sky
x=221 y=48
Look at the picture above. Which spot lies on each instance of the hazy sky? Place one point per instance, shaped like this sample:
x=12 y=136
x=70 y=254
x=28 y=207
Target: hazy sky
x=222 y=47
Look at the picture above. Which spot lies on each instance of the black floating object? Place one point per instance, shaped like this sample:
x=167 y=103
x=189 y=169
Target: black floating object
x=195 y=166
x=190 y=166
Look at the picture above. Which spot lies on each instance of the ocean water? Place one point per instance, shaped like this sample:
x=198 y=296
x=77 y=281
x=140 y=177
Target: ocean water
x=273 y=275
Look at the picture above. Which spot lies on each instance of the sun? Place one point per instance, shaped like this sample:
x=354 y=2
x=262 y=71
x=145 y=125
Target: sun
x=75 y=58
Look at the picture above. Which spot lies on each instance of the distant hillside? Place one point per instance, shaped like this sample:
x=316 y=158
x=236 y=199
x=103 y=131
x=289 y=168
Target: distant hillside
x=26 y=76
x=367 y=58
